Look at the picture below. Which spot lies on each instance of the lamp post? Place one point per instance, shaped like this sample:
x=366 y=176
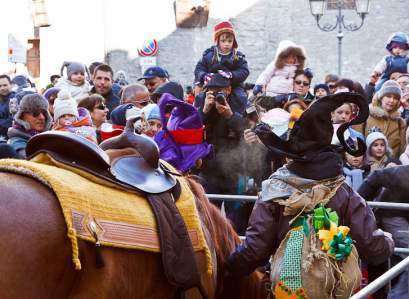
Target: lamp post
x=317 y=10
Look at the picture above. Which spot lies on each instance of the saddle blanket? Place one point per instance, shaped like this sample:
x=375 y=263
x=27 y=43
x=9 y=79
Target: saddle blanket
x=122 y=219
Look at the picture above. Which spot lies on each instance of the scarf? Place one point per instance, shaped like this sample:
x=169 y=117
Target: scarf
x=354 y=177
x=298 y=194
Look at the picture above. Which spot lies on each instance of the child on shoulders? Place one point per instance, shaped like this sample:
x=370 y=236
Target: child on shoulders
x=224 y=58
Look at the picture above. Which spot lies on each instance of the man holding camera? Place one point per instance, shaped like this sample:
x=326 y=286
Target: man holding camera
x=224 y=127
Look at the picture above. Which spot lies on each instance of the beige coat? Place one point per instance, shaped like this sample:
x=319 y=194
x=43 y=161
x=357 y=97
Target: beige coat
x=391 y=125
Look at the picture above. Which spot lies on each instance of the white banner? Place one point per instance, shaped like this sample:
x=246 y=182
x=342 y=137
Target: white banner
x=17 y=50
x=147 y=62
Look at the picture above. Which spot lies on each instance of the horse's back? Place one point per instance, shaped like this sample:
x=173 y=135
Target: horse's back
x=35 y=250
x=36 y=259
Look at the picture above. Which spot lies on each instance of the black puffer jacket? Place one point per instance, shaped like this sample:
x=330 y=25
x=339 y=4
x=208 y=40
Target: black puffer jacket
x=395 y=184
x=268 y=227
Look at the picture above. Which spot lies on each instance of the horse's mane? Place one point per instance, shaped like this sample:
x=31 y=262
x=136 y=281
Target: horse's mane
x=226 y=238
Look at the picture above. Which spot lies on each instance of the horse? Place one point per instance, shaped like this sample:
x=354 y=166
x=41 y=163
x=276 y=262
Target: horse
x=35 y=259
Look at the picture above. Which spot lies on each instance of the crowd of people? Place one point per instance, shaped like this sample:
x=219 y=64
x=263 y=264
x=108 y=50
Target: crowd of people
x=207 y=129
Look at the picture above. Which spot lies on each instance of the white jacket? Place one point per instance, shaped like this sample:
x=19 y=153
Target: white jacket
x=279 y=81
x=77 y=92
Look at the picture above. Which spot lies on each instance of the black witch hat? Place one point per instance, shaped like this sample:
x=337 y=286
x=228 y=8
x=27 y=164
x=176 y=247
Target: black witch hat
x=312 y=133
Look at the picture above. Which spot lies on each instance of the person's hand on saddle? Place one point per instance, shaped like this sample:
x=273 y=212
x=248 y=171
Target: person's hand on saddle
x=250 y=137
x=209 y=102
x=224 y=109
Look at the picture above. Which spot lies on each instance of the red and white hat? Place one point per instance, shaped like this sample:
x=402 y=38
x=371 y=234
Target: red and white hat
x=224 y=27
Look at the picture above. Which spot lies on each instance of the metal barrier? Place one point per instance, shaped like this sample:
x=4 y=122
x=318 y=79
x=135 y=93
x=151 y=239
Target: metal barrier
x=252 y=198
x=380 y=281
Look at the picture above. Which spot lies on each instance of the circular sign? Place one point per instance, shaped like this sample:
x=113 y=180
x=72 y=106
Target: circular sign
x=149 y=49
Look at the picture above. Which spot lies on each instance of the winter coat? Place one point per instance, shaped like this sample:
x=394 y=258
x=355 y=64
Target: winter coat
x=18 y=138
x=225 y=135
x=5 y=116
x=390 y=124
x=268 y=227
x=391 y=64
x=394 y=180
x=83 y=126
x=279 y=76
x=212 y=62
x=77 y=92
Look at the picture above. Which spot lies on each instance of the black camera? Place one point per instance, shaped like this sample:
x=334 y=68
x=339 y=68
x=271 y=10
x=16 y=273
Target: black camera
x=252 y=113
x=220 y=97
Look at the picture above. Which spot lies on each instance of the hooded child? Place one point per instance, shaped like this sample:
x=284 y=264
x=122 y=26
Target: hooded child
x=278 y=76
x=75 y=82
x=396 y=62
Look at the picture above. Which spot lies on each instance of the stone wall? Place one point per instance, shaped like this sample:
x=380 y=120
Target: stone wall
x=261 y=27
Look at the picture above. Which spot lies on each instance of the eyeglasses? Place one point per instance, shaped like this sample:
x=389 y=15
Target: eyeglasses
x=101 y=107
x=331 y=86
x=143 y=104
x=303 y=83
x=37 y=113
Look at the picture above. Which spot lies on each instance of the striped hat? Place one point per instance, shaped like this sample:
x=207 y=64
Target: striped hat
x=224 y=27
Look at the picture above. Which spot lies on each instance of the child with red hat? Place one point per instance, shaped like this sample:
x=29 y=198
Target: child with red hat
x=224 y=58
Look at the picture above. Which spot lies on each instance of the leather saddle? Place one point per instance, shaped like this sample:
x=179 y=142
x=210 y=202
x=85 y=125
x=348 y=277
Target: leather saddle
x=144 y=173
x=141 y=172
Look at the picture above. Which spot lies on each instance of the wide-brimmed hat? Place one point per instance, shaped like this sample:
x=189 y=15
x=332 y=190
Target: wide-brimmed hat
x=181 y=142
x=309 y=143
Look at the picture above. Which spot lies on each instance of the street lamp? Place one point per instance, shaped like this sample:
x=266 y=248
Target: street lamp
x=317 y=10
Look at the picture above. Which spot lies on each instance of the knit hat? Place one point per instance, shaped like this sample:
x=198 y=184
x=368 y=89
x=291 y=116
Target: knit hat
x=170 y=87
x=321 y=85
x=50 y=92
x=65 y=104
x=151 y=111
x=74 y=67
x=21 y=81
x=376 y=135
x=122 y=113
x=119 y=117
x=309 y=143
x=397 y=39
x=181 y=142
x=390 y=87
x=32 y=103
x=224 y=27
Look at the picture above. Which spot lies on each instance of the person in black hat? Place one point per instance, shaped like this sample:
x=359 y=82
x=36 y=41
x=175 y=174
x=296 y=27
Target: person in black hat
x=315 y=165
x=224 y=127
x=153 y=77
x=170 y=87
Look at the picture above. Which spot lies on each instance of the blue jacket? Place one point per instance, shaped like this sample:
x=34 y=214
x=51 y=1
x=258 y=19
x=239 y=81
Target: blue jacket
x=395 y=64
x=5 y=116
x=211 y=62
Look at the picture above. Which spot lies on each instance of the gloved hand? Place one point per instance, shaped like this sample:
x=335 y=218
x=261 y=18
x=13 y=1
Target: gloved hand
x=207 y=77
x=225 y=74
x=257 y=89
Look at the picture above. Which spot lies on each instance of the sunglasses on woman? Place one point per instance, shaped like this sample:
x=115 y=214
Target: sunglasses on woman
x=303 y=83
x=101 y=107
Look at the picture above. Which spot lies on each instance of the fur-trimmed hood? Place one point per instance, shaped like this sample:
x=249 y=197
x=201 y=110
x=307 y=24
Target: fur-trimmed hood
x=286 y=47
x=376 y=110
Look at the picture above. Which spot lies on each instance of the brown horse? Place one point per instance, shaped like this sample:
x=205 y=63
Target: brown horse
x=35 y=254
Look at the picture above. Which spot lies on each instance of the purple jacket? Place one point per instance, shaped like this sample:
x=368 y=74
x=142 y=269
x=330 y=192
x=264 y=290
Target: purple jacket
x=268 y=227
